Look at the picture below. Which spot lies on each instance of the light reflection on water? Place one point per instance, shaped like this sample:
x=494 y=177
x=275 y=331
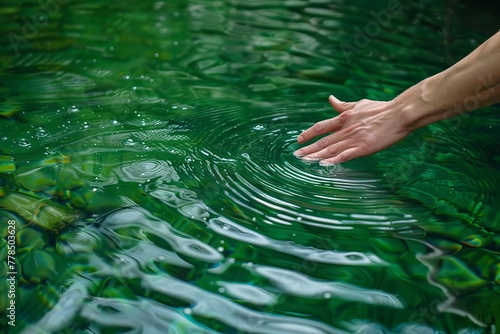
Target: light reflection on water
x=164 y=132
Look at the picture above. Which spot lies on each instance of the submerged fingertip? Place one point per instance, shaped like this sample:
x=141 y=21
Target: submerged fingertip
x=309 y=158
x=326 y=163
x=298 y=154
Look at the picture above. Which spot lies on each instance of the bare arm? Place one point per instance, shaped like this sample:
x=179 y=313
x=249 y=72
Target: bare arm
x=366 y=126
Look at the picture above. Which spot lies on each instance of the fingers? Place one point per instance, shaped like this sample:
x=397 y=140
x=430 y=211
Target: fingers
x=344 y=156
x=336 y=152
x=320 y=128
x=328 y=125
x=327 y=146
x=336 y=148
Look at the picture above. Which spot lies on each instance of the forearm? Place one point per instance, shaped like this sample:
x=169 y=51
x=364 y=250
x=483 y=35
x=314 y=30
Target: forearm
x=470 y=84
x=365 y=127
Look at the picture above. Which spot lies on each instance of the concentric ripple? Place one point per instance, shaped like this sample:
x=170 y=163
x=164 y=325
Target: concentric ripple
x=146 y=160
x=255 y=167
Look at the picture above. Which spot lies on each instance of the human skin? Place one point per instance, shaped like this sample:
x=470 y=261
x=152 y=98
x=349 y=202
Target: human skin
x=366 y=126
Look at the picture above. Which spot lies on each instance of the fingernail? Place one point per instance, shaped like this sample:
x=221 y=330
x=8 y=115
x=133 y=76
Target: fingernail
x=333 y=97
x=309 y=158
x=300 y=139
x=298 y=153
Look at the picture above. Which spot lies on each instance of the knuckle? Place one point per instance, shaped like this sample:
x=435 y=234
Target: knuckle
x=364 y=125
x=344 y=156
x=319 y=127
x=345 y=116
x=332 y=149
x=323 y=142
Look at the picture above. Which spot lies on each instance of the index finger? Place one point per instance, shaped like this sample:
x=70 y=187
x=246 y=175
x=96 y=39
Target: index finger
x=320 y=128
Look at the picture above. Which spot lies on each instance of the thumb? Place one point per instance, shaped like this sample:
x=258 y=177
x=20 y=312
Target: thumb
x=339 y=105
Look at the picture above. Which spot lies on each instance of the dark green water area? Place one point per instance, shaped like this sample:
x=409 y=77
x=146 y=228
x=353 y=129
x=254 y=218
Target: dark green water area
x=146 y=170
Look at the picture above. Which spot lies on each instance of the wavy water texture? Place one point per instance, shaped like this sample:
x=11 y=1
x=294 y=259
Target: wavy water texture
x=146 y=158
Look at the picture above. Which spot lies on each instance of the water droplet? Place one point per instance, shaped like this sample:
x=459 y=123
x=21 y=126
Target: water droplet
x=222 y=290
x=129 y=142
x=327 y=295
x=24 y=142
x=220 y=249
x=40 y=133
x=73 y=109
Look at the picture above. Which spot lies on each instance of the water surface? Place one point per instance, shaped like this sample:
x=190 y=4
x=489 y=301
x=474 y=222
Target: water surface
x=146 y=157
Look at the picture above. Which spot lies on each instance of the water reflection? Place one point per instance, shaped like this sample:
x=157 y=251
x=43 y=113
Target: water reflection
x=163 y=133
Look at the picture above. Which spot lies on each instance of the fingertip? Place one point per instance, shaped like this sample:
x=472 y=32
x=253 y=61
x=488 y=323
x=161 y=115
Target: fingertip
x=298 y=154
x=310 y=158
x=333 y=98
x=326 y=163
x=335 y=103
x=300 y=139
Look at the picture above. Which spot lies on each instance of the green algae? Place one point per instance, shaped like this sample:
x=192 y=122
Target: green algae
x=40 y=211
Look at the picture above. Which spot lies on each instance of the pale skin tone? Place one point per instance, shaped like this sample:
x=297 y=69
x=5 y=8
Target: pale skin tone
x=366 y=127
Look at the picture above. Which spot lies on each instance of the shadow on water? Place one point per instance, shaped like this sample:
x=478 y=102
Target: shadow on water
x=146 y=159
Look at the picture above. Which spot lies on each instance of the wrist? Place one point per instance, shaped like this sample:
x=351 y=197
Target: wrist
x=416 y=107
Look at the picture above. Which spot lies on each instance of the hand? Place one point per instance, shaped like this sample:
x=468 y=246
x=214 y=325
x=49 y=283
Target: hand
x=362 y=128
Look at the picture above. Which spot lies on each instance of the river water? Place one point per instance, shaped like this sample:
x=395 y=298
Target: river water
x=146 y=167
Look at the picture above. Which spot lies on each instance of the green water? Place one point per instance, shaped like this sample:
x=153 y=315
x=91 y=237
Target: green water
x=146 y=160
